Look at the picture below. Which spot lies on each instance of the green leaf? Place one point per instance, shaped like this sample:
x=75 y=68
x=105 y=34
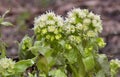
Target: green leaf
x=81 y=72
x=62 y=43
x=89 y=63
x=103 y=61
x=22 y=65
x=32 y=75
x=39 y=50
x=71 y=56
x=42 y=64
x=57 y=73
x=2 y=50
x=1 y=20
x=80 y=48
x=6 y=23
x=3 y=16
x=100 y=74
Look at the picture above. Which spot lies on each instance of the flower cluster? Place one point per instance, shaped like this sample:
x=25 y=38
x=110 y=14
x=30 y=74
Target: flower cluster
x=48 y=26
x=26 y=43
x=79 y=24
x=100 y=42
x=82 y=23
x=74 y=38
x=115 y=65
x=24 y=47
x=6 y=65
x=116 y=62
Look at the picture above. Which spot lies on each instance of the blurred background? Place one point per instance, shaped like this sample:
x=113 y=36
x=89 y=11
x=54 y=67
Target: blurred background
x=23 y=12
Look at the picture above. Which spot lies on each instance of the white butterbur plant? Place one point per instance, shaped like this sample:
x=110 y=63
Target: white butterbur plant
x=62 y=47
x=77 y=45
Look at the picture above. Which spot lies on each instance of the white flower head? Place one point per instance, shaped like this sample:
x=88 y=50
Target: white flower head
x=97 y=17
x=72 y=28
x=86 y=21
x=116 y=61
x=50 y=14
x=71 y=38
x=67 y=28
x=51 y=28
x=77 y=13
x=50 y=22
x=90 y=15
x=59 y=21
x=94 y=22
x=91 y=34
x=78 y=21
x=78 y=26
x=6 y=63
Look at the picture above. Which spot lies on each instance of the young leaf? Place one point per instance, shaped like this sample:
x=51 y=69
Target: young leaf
x=42 y=64
x=100 y=73
x=2 y=49
x=103 y=61
x=24 y=52
x=22 y=65
x=57 y=73
x=6 y=23
x=3 y=16
x=36 y=50
x=89 y=63
x=71 y=56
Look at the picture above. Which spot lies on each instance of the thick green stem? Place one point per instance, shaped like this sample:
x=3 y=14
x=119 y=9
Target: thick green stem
x=75 y=74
